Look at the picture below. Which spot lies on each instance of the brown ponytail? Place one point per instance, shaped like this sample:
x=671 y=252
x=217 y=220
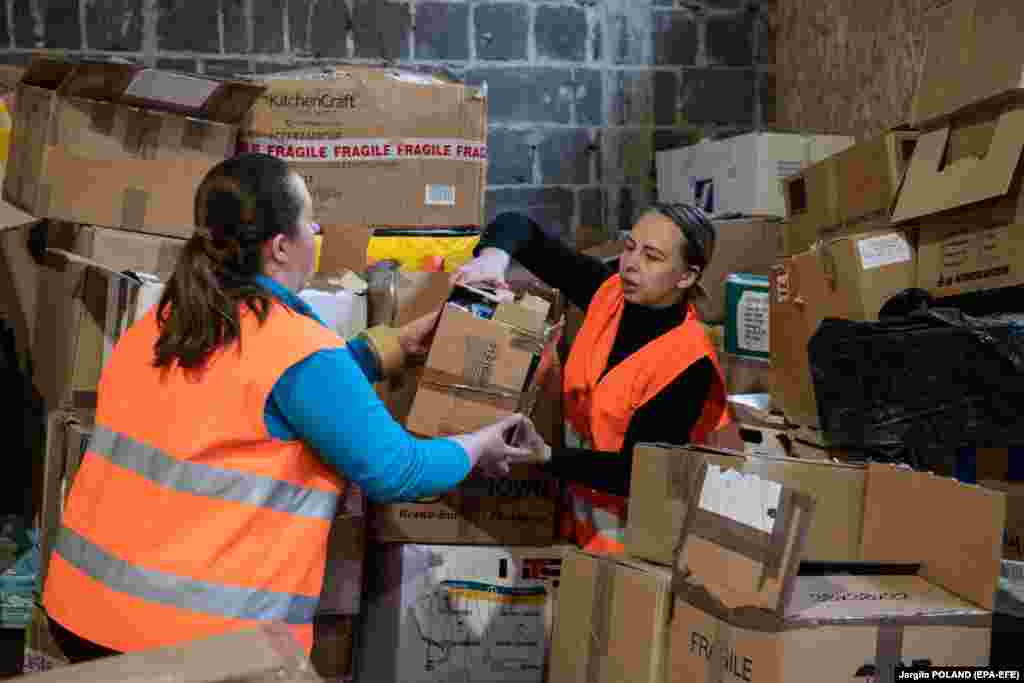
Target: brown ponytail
x=240 y=205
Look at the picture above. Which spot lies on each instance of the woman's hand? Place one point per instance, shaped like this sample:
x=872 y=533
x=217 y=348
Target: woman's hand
x=486 y=269
x=492 y=448
x=416 y=337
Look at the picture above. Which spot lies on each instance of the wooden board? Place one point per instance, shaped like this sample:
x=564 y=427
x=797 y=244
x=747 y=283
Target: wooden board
x=847 y=67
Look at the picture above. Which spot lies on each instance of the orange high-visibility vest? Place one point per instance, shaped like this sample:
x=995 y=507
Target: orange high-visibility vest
x=187 y=518
x=599 y=408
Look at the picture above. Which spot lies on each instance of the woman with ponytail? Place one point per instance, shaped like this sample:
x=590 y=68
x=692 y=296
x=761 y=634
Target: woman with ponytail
x=230 y=422
x=641 y=368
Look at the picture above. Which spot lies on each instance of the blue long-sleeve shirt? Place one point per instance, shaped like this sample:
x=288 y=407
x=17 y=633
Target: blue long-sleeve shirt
x=327 y=400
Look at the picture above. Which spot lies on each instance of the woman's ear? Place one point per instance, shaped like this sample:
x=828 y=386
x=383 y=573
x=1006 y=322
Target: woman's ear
x=276 y=250
x=688 y=280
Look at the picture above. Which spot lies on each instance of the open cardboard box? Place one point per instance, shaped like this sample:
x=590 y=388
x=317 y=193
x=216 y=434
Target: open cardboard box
x=747 y=607
x=119 y=145
x=663 y=488
x=848 y=193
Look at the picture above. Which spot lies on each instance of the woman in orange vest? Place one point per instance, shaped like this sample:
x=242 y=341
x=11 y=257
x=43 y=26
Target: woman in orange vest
x=641 y=368
x=230 y=422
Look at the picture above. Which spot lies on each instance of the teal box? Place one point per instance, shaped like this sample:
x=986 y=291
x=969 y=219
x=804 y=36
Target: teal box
x=746 y=322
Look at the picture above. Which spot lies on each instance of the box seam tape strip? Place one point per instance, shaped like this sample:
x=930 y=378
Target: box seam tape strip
x=600 y=636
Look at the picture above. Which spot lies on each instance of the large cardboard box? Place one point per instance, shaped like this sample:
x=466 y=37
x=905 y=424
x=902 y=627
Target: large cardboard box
x=119 y=145
x=746 y=608
x=662 y=489
x=747 y=245
x=740 y=175
x=444 y=613
x=250 y=656
x=612 y=621
x=95 y=282
x=1013 y=538
x=377 y=146
x=520 y=509
x=850 y=192
x=971 y=54
x=848 y=277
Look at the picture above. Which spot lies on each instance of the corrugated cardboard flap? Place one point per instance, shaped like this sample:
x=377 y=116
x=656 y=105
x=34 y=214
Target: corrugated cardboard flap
x=930 y=188
x=954 y=530
x=741 y=546
x=222 y=101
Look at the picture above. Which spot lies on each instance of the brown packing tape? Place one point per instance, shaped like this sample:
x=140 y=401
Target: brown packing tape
x=133 y=208
x=600 y=635
x=488 y=394
x=782 y=524
x=888 y=650
x=682 y=483
x=732 y=535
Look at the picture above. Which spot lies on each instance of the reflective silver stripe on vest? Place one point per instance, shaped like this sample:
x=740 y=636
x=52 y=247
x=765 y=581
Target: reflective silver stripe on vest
x=604 y=522
x=203 y=480
x=183 y=593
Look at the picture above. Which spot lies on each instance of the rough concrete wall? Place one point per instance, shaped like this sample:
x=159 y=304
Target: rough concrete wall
x=582 y=92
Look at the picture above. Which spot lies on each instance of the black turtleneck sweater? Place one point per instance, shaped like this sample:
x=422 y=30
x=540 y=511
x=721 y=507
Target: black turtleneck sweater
x=670 y=416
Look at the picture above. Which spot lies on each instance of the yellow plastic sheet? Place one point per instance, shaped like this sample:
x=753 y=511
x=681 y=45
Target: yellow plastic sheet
x=423 y=253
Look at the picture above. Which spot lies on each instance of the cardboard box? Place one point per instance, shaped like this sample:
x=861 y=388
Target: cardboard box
x=746 y=609
x=955 y=260
x=607 y=252
x=346 y=557
x=249 y=656
x=119 y=145
x=518 y=510
x=740 y=175
x=96 y=282
x=747 y=245
x=612 y=622
x=480 y=370
x=848 y=277
x=67 y=437
x=971 y=54
x=1013 y=538
x=747 y=332
x=966 y=171
x=850 y=192
x=377 y=146
x=662 y=489
x=442 y=613
x=745 y=375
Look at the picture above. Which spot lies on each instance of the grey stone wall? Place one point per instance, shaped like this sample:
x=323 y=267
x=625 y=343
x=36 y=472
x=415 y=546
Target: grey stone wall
x=581 y=92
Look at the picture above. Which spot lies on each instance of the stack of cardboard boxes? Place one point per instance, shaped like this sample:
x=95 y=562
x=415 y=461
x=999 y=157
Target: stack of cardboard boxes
x=779 y=568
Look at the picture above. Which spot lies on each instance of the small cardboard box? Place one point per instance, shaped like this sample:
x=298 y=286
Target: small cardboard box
x=250 y=656
x=848 y=193
x=96 y=282
x=612 y=622
x=740 y=175
x=971 y=54
x=518 y=510
x=747 y=608
x=480 y=370
x=848 y=277
x=443 y=613
x=378 y=146
x=745 y=245
x=119 y=145
x=960 y=259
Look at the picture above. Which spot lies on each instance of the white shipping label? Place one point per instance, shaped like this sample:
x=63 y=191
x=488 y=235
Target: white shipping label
x=752 y=317
x=172 y=89
x=885 y=250
x=369 y=149
x=440 y=195
x=744 y=498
